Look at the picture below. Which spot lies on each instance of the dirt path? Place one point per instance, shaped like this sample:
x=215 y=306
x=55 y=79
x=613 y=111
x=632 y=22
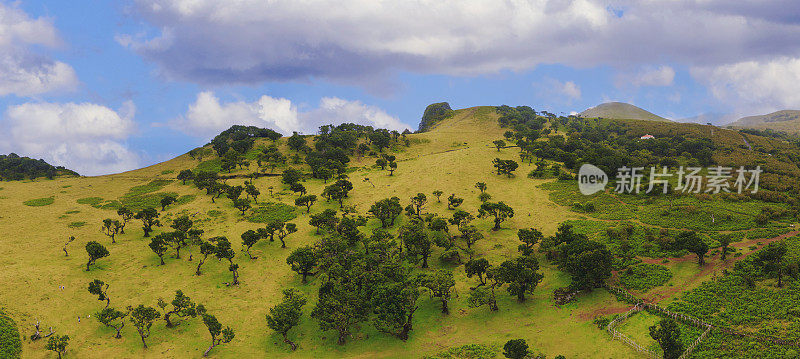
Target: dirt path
x=713 y=266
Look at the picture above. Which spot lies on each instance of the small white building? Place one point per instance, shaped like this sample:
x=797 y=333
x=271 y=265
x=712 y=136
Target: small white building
x=647 y=137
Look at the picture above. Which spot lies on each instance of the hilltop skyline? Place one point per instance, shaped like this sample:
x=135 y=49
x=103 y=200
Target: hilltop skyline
x=112 y=86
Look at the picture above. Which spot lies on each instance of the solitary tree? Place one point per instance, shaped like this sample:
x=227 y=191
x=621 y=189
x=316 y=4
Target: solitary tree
x=100 y=289
x=69 y=240
x=668 y=336
x=770 y=259
x=506 y=167
x=306 y=201
x=341 y=307
x=126 y=215
x=252 y=191
x=95 y=251
x=516 y=349
x=58 y=344
x=149 y=218
x=249 y=239
x=440 y=284
x=218 y=335
x=416 y=240
x=185 y=175
x=529 y=238
x=477 y=267
x=499 y=144
x=242 y=204
x=499 y=210
x=167 y=200
x=112 y=318
x=335 y=193
x=206 y=249
x=724 y=242
x=224 y=251
x=110 y=228
x=303 y=260
x=392 y=168
x=521 y=274
x=395 y=304
x=690 y=241
x=481 y=186
x=286 y=315
x=453 y=201
x=387 y=210
x=158 y=245
x=418 y=202
x=285 y=230
x=182 y=307
x=437 y=193
x=142 y=318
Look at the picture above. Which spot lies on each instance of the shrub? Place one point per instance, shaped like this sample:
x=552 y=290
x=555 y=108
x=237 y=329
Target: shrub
x=643 y=277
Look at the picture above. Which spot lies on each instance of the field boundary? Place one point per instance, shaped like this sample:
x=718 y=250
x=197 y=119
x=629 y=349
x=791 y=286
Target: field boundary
x=641 y=304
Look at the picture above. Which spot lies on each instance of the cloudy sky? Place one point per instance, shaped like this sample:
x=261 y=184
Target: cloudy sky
x=105 y=86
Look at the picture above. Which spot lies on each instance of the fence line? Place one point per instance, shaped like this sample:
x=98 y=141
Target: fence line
x=640 y=305
x=610 y=328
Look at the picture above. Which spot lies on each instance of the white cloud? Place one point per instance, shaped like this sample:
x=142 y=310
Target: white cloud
x=207 y=116
x=649 y=76
x=22 y=71
x=570 y=89
x=558 y=91
x=85 y=137
x=754 y=86
x=208 y=41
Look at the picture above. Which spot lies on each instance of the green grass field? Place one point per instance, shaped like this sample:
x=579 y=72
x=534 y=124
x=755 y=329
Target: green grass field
x=451 y=158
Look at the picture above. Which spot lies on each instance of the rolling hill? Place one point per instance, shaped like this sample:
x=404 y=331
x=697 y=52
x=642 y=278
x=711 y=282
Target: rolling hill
x=782 y=121
x=42 y=284
x=620 y=111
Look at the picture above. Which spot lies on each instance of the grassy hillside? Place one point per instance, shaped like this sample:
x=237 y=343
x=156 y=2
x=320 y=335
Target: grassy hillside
x=452 y=157
x=787 y=121
x=620 y=110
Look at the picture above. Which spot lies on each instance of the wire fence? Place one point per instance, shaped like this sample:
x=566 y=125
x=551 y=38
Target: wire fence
x=640 y=304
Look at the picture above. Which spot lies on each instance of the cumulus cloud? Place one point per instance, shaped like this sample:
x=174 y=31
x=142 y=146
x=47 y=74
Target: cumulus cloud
x=754 y=86
x=23 y=72
x=84 y=137
x=208 y=116
x=650 y=76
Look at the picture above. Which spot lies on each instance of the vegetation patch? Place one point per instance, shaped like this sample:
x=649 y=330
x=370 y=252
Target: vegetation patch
x=212 y=165
x=39 y=202
x=92 y=201
x=272 y=211
x=469 y=351
x=10 y=343
x=215 y=213
x=76 y=224
x=643 y=277
x=166 y=172
x=72 y=212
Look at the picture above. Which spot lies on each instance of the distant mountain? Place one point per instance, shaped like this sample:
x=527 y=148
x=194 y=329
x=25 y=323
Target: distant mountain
x=620 y=110
x=713 y=118
x=784 y=121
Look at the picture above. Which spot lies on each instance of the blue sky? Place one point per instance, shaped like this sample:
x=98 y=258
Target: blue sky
x=107 y=86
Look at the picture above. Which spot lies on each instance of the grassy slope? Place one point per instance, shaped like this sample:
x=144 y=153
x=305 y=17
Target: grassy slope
x=785 y=121
x=620 y=110
x=452 y=158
